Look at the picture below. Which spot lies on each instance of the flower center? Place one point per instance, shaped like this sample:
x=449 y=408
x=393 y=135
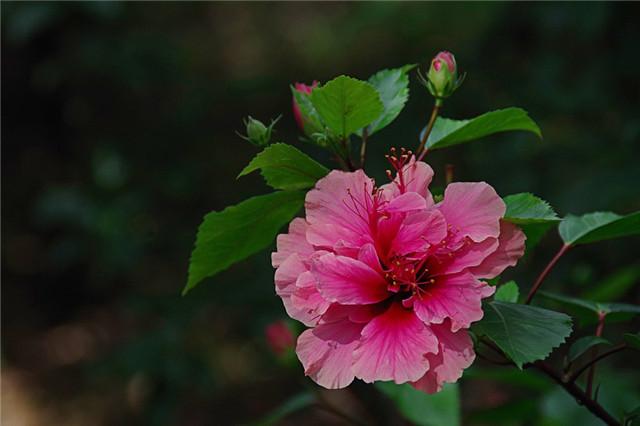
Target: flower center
x=408 y=277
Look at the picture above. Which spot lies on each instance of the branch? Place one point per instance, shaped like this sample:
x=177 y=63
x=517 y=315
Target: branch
x=579 y=395
x=594 y=360
x=545 y=272
x=421 y=151
x=594 y=353
x=568 y=385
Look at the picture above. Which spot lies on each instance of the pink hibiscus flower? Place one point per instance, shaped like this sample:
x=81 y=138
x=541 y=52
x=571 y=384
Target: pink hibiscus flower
x=388 y=280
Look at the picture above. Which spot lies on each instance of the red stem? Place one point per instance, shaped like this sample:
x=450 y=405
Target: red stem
x=594 y=360
x=545 y=272
x=594 y=353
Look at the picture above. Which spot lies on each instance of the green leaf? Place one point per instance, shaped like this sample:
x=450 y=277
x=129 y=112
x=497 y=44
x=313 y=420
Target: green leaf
x=442 y=408
x=448 y=132
x=633 y=340
x=393 y=87
x=525 y=333
x=534 y=216
x=346 y=105
x=526 y=208
x=599 y=226
x=508 y=292
x=239 y=231
x=286 y=167
x=290 y=406
x=583 y=344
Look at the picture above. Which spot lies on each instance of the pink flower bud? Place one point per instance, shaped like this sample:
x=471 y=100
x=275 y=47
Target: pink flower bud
x=444 y=57
x=442 y=79
x=279 y=337
x=304 y=89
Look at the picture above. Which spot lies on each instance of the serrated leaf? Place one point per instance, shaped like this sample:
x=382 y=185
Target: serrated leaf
x=239 y=231
x=508 y=292
x=442 y=408
x=525 y=333
x=526 y=208
x=534 y=216
x=633 y=340
x=448 y=132
x=598 y=226
x=346 y=105
x=583 y=344
x=286 y=167
x=393 y=87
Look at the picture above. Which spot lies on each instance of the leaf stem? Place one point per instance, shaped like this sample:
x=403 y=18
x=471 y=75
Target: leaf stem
x=347 y=155
x=594 y=353
x=545 y=272
x=422 y=151
x=363 y=147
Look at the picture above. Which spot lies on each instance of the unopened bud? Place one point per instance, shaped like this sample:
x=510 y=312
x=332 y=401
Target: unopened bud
x=442 y=79
x=257 y=133
x=301 y=90
x=279 y=338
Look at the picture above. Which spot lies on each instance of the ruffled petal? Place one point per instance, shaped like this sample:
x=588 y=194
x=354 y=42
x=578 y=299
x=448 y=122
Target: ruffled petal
x=469 y=255
x=473 y=210
x=409 y=201
x=286 y=277
x=457 y=297
x=348 y=281
x=419 y=231
x=293 y=242
x=456 y=353
x=306 y=298
x=343 y=200
x=326 y=352
x=510 y=249
x=393 y=347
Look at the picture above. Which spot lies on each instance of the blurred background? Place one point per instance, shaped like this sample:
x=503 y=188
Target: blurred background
x=118 y=124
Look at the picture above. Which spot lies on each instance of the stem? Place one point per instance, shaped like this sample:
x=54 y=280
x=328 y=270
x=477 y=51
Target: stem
x=594 y=353
x=448 y=173
x=347 y=155
x=568 y=385
x=363 y=147
x=580 y=396
x=421 y=152
x=594 y=360
x=545 y=272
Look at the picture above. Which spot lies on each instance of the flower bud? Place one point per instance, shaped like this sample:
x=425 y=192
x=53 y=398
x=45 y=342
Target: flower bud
x=303 y=121
x=279 y=338
x=442 y=78
x=257 y=133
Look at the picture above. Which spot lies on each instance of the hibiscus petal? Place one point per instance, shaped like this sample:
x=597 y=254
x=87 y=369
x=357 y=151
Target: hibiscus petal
x=344 y=200
x=306 y=298
x=348 y=281
x=510 y=249
x=368 y=255
x=393 y=347
x=418 y=231
x=457 y=297
x=473 y=209
x=326 y=352
x=456 y=353
x=293 y=242
x=406 y=202
x=286 y=277
x=471 y=254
